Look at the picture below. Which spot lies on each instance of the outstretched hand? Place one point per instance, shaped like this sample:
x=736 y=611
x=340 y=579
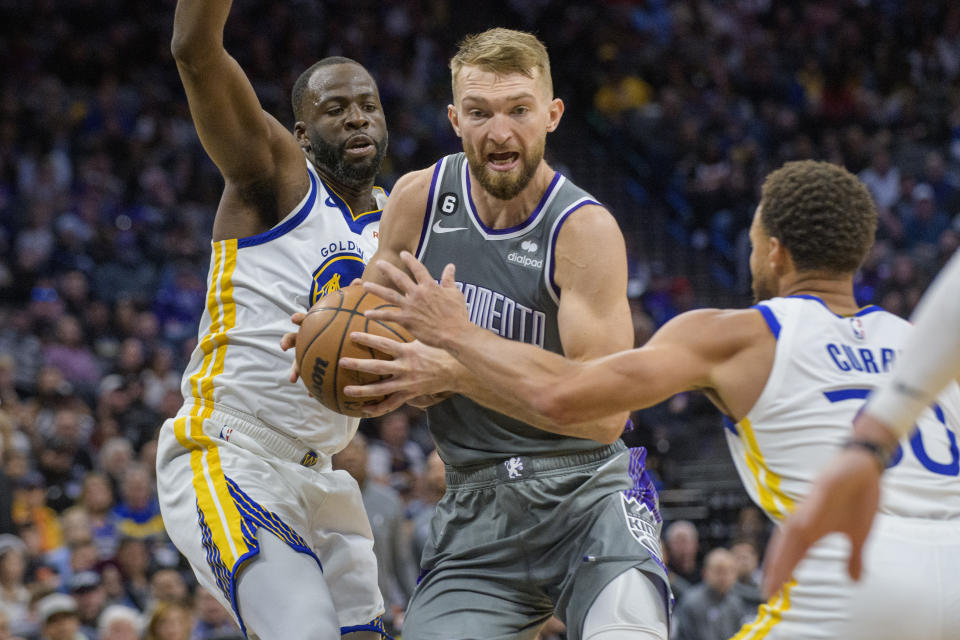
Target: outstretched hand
x=436 y=314
x=843 y=499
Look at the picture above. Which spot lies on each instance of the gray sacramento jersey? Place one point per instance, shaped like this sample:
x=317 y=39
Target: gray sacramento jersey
x=506 y=276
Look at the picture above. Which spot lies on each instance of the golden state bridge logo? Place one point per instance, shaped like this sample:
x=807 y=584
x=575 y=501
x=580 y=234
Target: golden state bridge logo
x=343 y=263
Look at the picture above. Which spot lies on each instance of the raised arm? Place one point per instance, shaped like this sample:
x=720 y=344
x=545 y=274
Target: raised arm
x=249 y=146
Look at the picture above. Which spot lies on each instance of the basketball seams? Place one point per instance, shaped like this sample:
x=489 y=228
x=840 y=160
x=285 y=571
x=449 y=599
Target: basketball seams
x=329 y=391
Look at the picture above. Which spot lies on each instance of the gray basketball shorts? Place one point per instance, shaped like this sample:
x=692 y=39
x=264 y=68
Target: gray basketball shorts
x=515 y=542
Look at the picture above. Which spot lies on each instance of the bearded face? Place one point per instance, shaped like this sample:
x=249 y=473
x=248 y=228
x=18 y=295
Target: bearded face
x=504 y=173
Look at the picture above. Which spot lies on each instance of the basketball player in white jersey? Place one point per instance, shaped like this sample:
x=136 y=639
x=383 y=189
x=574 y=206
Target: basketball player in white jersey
x=846 y=496
x=790 y=373
x=244 y=477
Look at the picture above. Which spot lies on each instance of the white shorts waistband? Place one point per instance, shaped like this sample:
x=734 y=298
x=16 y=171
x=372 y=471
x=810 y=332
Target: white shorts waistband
x=232 y=425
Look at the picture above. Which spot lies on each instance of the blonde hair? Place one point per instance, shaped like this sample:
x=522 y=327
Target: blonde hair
x=503 y=51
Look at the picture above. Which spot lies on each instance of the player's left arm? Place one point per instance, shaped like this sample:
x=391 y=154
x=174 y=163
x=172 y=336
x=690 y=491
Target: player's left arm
x=590 y=270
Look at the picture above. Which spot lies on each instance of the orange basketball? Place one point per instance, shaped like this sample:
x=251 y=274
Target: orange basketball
x=324 y=338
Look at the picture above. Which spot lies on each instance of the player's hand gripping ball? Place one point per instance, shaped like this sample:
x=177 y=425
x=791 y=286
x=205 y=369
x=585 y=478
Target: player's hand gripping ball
x=324 y=338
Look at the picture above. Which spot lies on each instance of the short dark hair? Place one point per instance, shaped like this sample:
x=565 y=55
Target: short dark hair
x=300 y=86
x=821 y=213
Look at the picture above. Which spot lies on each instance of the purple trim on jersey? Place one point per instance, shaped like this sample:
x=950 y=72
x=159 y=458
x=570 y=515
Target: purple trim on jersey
x=771 y=319
x=553 y=242
x=532 y=218
x=642 y=489
x=287 y=226
x=862 y=312
x=429 y=212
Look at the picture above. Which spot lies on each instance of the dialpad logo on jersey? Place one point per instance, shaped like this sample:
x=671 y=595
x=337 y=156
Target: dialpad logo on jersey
x=525 y=260
x=641 y=523
x=343 y=262
x=856 y=325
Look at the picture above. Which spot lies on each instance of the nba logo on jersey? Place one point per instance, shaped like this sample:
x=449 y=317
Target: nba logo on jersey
x=641 y=524
x=856 y=325
x=337 y=271
x=225 y=433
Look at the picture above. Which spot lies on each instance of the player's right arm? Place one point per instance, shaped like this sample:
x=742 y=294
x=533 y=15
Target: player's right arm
x=250 y=147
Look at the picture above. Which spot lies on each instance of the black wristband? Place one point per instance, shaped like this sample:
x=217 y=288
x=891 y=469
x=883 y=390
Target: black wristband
x=877 y=450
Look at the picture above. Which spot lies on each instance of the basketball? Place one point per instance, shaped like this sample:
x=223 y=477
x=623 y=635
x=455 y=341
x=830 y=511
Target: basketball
x=324 y=338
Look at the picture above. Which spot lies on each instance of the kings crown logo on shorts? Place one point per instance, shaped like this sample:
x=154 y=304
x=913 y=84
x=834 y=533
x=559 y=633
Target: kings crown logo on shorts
x=641 y=523
x=343 y=262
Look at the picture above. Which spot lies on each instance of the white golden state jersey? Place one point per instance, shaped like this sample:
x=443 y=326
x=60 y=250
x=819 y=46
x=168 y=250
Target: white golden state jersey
x=825 y=366
x=255 y=285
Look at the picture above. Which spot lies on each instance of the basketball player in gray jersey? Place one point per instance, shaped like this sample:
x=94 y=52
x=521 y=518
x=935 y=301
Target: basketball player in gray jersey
x=534 y=521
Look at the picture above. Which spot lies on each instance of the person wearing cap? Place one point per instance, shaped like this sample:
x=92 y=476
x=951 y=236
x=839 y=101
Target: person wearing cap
x=119 y=623
x=58 y=617
x=87 y=589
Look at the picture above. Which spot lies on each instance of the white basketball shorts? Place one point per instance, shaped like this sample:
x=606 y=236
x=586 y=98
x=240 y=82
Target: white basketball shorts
x=221 y=476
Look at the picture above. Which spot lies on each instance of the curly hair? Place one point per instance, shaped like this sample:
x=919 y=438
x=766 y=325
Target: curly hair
x=821 y=213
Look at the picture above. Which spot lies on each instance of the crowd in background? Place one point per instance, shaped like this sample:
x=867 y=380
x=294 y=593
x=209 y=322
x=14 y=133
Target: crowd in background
x=107 y=201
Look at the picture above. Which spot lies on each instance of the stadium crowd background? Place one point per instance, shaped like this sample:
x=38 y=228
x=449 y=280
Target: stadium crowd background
x=676 y=110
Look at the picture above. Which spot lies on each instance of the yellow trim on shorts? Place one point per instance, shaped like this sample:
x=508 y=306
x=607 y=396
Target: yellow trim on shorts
x=772 y=498
x=768 y=615
x=213 y=496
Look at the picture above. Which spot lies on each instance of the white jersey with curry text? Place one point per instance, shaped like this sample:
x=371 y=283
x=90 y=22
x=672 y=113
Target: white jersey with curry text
x=824 y=368
x=255 y=285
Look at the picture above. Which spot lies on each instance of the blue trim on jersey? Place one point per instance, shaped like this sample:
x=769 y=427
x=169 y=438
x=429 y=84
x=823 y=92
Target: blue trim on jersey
x=287 y=226
x=866 y=310
x=358 y=222
x=374 y=625
x=862 y=312
x=531 y=219
x=429 y=212
x=771 y=319
x=553 y=242
x=846 y=394
x=729 y=424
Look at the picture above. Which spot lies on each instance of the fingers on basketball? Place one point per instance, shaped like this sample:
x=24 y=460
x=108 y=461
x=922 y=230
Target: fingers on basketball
x=324 y=338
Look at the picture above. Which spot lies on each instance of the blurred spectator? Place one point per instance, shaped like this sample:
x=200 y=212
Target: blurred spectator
x=167 y=585
x=118 y=622
x=133 y=561
x=68 y=353
x=683 y=545
x=96 y=499
x=14 y=595
x=5 y=632
x=138 y=513
x=420 y=511
x=710 y=610
x=213 y=622
x=395 y=564
x=87 y=590
x=58 y=618
x=394 y=459
x=29 y=507
x=748 y=574
x=169 y=621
